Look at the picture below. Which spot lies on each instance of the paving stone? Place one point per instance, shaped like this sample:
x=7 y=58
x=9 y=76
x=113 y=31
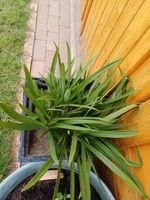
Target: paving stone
x=77 y=13
x=65 y=5
x=65 y=18
x=37 y=68
x=51 y=38
x=42 y=16
x=78 y=61
x=39 y=50
x=53 y=24
x=64 y=34
x=77 y=2
x=78 y=42
x=41 y=31
x=54 y=8
x=48 y=61
x=63 y=53
x=43 y=3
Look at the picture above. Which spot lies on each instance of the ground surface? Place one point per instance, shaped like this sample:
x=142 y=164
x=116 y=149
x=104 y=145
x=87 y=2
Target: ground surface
x=13 y=19
x=56 y=21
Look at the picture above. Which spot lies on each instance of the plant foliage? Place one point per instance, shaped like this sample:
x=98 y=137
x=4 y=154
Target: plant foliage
x=80 y=117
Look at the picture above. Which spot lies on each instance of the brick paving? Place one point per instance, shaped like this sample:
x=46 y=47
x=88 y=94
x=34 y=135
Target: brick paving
x=53 y=23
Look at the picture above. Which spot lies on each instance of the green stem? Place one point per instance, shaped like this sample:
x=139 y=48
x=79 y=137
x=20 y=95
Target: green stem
x=59 y=170
x=82 y=186
x=72 y=181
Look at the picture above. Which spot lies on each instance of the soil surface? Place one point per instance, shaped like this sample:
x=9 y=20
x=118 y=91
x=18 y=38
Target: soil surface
x=43 y=190
x=38 y=144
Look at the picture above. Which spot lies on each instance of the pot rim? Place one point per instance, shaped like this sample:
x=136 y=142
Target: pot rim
x=20 y=174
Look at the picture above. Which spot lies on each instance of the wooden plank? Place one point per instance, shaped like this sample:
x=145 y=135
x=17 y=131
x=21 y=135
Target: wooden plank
x=142 y=173
x=83 y=7
x=140 y=80
x=51 y=175
x=101 y=34
x=100 y=37
x=92 y=16
x=95 y=21
x=122 y=24
x=86 y=13
x=123 y=191
x=138 y=55
x=130 y=37
x=138 y=120
x=133 y=33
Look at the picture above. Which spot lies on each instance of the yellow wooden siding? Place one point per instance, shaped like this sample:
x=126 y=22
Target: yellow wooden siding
x=83 y=6
x=96 y=13
x=140 y=80
x=86 y=13
x=121 y=29
x=138 y=120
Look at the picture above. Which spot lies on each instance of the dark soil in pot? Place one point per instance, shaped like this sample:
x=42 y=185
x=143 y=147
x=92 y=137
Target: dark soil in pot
x=43 y=190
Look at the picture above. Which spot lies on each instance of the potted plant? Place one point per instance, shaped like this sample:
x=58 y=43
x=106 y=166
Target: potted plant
x=31 y=149
x=11 y=187
x=80 y=114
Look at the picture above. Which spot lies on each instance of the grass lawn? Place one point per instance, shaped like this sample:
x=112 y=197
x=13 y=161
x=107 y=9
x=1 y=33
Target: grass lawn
x=13 y=20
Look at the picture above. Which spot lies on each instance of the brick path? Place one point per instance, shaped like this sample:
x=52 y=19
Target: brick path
x=54 y=22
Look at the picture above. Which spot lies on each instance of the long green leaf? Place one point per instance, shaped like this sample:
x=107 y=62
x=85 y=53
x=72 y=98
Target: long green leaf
x=82 y=71
x=51 y=145
x=29 y=81
x=54 y=61
x=69 y=63
x=62 y=149
x=100 y=88
x=67 y=95
x=94 y=132
x=120 y=112
x=19 y=117
x=120 y=154
x=45 y=167
x=72 y=181
x=94 y=76
x=123 y=166
x=73 y=148
x=85 y=171
x=62 y=78
x=17 y=126
x=115 y=169
x=28 y=112
x=81 y=180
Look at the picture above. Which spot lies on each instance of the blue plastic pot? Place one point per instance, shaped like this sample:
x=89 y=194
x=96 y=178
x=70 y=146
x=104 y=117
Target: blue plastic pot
x=20 y=174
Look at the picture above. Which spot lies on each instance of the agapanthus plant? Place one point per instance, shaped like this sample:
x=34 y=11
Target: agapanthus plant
x=80 y=115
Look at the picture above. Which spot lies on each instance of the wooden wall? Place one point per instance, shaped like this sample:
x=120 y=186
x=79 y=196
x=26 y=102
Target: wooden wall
x=121 y=29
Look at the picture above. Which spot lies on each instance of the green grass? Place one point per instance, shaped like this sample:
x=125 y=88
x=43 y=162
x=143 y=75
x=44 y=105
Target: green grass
x=13 y=24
